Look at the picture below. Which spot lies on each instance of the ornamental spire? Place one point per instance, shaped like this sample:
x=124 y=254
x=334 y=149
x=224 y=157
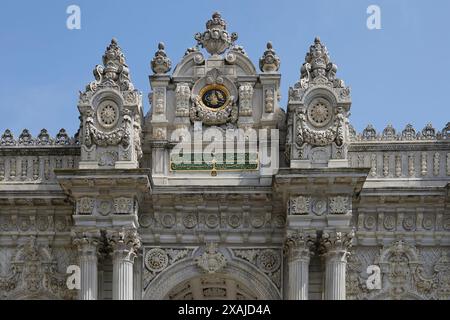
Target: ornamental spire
x=318 y=67
x=114 y=72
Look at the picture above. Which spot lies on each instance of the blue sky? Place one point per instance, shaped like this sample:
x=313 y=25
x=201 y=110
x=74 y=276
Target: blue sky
x=398 y=75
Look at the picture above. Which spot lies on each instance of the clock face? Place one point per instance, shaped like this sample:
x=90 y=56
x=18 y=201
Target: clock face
x=215 y=97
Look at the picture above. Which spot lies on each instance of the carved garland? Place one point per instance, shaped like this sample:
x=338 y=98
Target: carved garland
x=319 y=137
x=212 y=117
x=118 y=136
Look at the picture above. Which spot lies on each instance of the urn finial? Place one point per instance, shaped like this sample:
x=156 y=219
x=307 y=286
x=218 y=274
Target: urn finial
x=161 y=64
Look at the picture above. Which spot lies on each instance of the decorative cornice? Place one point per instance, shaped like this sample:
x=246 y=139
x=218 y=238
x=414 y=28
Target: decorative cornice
x=43 y=140
x=409 y=134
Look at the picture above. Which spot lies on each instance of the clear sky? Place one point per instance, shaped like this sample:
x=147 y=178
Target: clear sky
x=398 y=75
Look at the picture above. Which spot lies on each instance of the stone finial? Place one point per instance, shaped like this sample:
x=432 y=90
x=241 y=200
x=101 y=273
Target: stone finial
x=113 y=73
x=318 y=68
x=7 y=139
x=216 y=39
x=62 y=138
x=44 y=138
x=161 y=64
x=269 y=62
x=25 y=138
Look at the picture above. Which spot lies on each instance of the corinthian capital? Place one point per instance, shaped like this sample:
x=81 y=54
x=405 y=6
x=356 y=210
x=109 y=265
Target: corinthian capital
x=87 y=241
x=125 y=242
x=336 y=242
x=299 y=244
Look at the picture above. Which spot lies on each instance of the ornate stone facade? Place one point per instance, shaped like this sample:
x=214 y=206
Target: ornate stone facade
x=344 y=215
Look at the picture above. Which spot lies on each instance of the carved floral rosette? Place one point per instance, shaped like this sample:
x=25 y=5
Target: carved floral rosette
x=156 y=260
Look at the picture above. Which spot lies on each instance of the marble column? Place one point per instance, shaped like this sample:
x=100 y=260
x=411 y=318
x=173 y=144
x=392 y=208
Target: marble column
x=124 y=245
x=335 y=248
x=87 y=243
x=298 y=248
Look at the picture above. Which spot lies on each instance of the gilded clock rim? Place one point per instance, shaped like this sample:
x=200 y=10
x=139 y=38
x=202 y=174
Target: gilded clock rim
x=211 y=87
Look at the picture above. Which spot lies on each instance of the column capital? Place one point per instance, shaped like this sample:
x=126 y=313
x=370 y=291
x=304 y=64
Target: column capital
x=87 y=241
x=300 y=244
x=336 y=244
x=124 y=243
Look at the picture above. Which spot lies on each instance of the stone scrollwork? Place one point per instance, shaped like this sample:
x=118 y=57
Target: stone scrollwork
x=33 y=274
x=266 y=260
x=245 y=99
x=183 y=96
x=269 y=100
x=339 y=205
x=403 y=272
x=211 y=261
x=300 y=205
x=85 y=206
x=124 y=206
x=406 y=272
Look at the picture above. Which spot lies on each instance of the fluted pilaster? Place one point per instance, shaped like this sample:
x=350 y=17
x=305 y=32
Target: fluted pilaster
x=88 y=243
x=334 y=247
x=124 y=245
x=298 y=249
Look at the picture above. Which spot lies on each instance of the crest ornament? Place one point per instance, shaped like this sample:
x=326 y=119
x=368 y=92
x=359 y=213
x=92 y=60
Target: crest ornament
x=216 y=39
x=211 y=261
